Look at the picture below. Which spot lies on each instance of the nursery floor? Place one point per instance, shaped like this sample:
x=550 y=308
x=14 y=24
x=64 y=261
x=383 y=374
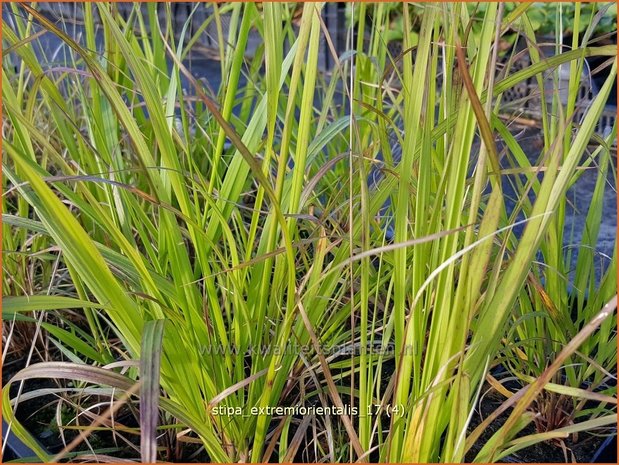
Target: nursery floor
x=582 y=447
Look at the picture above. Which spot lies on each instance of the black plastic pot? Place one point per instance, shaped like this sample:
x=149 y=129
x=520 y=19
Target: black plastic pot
x=607 y=453
x=15 y=448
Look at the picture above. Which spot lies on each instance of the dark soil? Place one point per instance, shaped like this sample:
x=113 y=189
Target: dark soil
x=582 y=449
x=38 y=416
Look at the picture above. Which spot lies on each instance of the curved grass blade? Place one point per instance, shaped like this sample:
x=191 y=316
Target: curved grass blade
x=96 y=375
x=150 y=364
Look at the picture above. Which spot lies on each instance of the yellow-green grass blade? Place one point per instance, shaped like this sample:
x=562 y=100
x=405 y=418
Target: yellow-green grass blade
x=78 y=248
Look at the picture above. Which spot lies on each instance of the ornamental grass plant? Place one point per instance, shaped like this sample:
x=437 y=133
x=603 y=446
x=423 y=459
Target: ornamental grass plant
x=204 y=258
